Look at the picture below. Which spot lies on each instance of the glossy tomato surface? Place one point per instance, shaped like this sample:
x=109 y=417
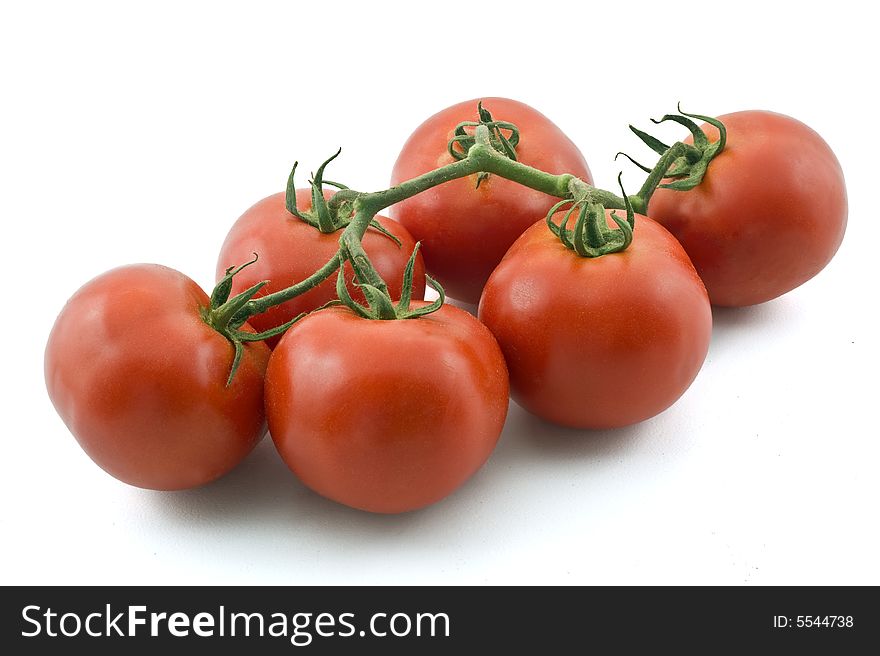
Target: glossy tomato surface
x=769 y=214
x=140 y=380
x=291 y=250
x=386 y=416
x=465 y=230
x=598 y=342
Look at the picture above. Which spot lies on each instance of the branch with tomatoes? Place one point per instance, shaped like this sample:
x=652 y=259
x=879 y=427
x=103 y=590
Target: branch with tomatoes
x=590 y=314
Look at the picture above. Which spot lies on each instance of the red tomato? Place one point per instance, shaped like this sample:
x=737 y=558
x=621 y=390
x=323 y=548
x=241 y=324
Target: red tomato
x=140 y=380
x=291 y=250
x=598 y=342
x=386 y=416
x=464 y=230
x=769 y=214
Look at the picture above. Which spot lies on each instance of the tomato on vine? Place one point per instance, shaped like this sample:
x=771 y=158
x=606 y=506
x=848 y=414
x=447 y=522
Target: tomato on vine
x=467 y=224
x=386 y=412
x=388 y=404
x=769 y=214
x=138 y=366
x=600 y=327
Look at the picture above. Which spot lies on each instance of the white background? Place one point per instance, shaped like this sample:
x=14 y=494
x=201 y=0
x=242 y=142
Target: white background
x=139 y=133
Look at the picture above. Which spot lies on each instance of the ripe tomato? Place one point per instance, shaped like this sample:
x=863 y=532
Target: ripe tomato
x=291 y=250
x=598 y=342
x=465 y=230
x=386 y=415
x=769 y=214
x=140 y=380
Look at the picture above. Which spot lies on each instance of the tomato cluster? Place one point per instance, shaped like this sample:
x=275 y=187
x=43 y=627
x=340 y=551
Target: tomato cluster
x=387 y=403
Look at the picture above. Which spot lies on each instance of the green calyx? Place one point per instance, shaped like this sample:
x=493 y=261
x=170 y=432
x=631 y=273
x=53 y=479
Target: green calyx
x=591 y=236
x=684 y=164
x=463 y=139
x=227 y=315
x=328 y=217
x=380 y=305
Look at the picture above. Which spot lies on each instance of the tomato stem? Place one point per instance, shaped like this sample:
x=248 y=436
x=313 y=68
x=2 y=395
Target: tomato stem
x=263 y=303
x=685 y=164
x=489 y=148
x=227 y=315
x=591 y=236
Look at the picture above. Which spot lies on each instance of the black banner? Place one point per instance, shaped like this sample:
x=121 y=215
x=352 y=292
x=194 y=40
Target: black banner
x=437 y=620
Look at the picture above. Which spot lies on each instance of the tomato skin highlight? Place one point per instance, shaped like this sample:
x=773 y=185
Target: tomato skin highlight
x=769 y=214
x=598 y=342
x=464 y=230
x=291 y=250
x=386 y=416
x=140 y=380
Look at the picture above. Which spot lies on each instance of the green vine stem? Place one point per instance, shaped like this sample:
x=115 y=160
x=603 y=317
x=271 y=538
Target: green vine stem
x=462 y=139
x=489 y=151
x=325 y=216
x=226 y=315
x=591 y=236
x=685 y=164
